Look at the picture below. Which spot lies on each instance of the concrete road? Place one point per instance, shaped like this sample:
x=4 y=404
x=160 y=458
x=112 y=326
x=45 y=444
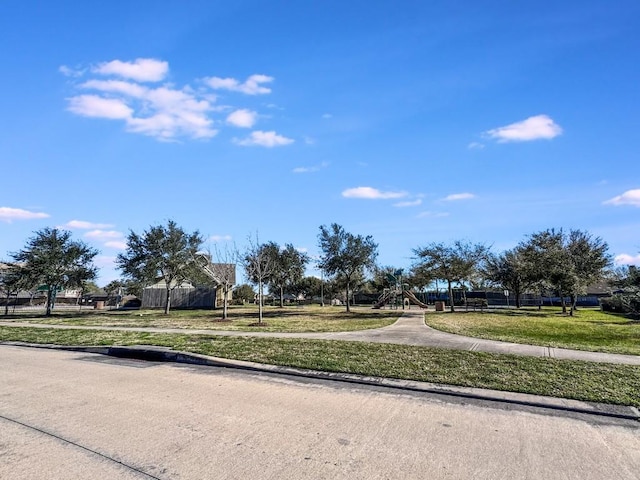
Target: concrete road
x=66 y=415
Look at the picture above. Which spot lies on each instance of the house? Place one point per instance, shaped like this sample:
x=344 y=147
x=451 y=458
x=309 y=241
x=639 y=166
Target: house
x=194 y=294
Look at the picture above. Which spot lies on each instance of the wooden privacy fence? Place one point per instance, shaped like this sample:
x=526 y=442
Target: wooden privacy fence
x=202 y=297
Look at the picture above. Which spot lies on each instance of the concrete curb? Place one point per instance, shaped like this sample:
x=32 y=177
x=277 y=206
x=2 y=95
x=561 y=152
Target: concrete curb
x=166 y=354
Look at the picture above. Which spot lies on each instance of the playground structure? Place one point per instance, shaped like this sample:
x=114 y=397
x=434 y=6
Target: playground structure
x=397 y=293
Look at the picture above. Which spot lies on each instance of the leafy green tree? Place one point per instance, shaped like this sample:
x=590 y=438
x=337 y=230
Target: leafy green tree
x=455 y=263
x=53 y=260
x=565 y=263
x=308 y=287
x=589 y=261
x=163 y=252
x=9 y=284
x=244 y=293
x=289 y=268
x=345 y=255
x=510 y=271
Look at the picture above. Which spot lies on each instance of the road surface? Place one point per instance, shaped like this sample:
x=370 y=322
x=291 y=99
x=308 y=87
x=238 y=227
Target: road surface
x=66 y=415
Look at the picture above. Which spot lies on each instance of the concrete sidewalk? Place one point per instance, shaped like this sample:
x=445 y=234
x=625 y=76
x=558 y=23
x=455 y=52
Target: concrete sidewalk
x=409 y=329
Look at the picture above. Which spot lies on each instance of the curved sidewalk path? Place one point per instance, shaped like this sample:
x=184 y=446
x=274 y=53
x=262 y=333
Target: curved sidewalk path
x=409 y=329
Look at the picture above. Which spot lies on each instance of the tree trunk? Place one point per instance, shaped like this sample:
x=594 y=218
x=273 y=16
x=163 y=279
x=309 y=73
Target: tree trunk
x=281 y=296
x=574 y=301
x=167 y=303
x=225 y=291
x=49 y=301
x=453 y=309
x=563 y=303
x=6 y=305
x=260 y=302
x=518 y=294
x=348 y=309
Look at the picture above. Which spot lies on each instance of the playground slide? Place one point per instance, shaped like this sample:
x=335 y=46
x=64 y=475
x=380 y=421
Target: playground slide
x=382 y=300
x=412 y=298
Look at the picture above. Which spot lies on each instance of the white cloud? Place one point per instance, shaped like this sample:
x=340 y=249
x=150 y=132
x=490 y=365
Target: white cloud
x=625 y=259
x=264 y=139
x=533 y=128
x=371 y=193
x=458 y=196
x=8 y=214
x=103 y=235
x=314 y=168
x=141 y=70
x=94 y=106
x=116 y=86
x=242 y=118
x=630 y=197
x=166 y=112
x=220 y=238
x=432 y=214
x=70 y=72
x=82 y=225
x=251 y=86
x=410 y=203
x=475 y=146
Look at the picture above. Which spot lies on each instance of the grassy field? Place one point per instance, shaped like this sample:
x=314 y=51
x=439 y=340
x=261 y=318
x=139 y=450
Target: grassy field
x=288 y=319
x=588 y=329
x=607 y=383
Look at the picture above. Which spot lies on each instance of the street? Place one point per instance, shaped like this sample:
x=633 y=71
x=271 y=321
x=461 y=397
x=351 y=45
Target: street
x=67 y=415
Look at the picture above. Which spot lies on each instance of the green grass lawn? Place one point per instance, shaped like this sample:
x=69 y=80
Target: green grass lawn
x=588 y=329
x=288 y=319
x=607 y=383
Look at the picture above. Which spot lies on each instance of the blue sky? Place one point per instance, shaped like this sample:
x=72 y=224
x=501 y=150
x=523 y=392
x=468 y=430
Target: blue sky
x=409 y=121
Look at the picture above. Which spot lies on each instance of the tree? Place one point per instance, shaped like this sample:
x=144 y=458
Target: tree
x=162 y=252
x=589 y=259
x=244 y=293
x=222 y=271
x=9 y=284
x=454 y=263
x=510 y=271
x=55 y=261
x=308 y=287
x=565 y=263
x=259 y=264
x=289 y=268
x=345 y=255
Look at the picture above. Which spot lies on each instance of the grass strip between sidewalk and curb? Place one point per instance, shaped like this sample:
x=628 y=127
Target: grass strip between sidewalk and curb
x=593 y=382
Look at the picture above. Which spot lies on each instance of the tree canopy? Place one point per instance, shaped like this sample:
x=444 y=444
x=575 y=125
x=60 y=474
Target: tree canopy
x=455 y=263
x=164 y=252
x=345 y=255
x=51 y=259
x=288 y=270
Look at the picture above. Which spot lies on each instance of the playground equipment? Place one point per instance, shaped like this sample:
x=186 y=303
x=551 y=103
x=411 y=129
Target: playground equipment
x=397 y=293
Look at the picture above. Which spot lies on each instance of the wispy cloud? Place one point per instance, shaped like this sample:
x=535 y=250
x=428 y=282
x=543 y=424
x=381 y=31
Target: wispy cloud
x=99 y=107
x=327 y=115
x=141 y=69
x=432 y=214
x=311 y=169
x=625 y=259
x=264 y=139
x=475 y=146
x=458 y=196
x=409 y=203
x=630 y=197
x=242 y=118
x=103 y=235
x=220 y=238
x=83 y=225
x=116 y=244
x=251 y=86
x=371 y=193
x=8 y=214
x=533 y=128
